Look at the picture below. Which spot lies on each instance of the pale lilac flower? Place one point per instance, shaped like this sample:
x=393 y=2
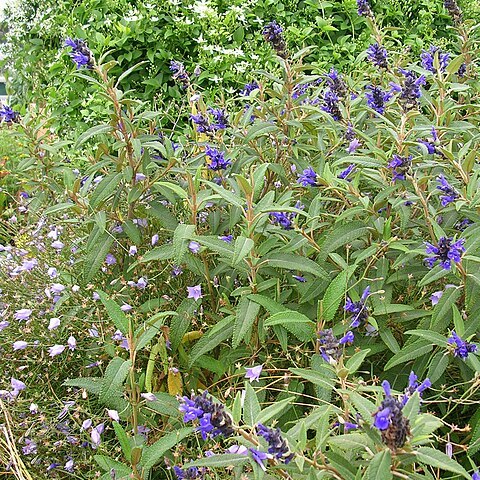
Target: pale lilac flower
x=69 y=465
x=238 y=449
x=17 y=385
x=126 y=307
x=30 y=447
x=149 y=396
x=142 y=283
x=4 y=324
x=22 y=314
x=75 y=288
x=57 y=245
x=54 y=323
x=110 y=259
x=52 y=272
x=195 y=292
x=194 y=246
x=33 y=408
x=95 y=296
x=133 y=251
x=154 y=240
x=57 y=288
x=56 y=350
x=29 y=265
x=95 y=436
x=436 y=296
x=86 y=424
x=93 y=332
x=139 y=177
x=113 y=414
x=72 y=342
x=254 y=373
x=19 y=345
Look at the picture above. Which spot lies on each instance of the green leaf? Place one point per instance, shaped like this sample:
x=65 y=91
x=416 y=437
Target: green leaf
x=224 y=460
x=267 y=303
x=212 y=339
x=59 y=207
x=379 y=466
x=96 y=130
x=119 y=318
x=410 y=352
x=181 y=238
x=433 y=275
x=227 y=195
x=128 y=72
x=243 y=247
x=437 y=459
x=105 y=188
x=442 y=313
x=438 y=365
x=251 y=406
x=163 y=252
x=295 y=322
x=123 y=440
x=106 y=463
x=115 y=374
x=273 y=410
x=335 y=293
x=260 y=129
x=294 y=262
x=432 y=337
x=356 y=360
x=342 y=235
x=174 y=188
x=90 y=384
x=247 y=312
x=96 y=256
x=315 y=377
x=154 y=453
x=217 y=245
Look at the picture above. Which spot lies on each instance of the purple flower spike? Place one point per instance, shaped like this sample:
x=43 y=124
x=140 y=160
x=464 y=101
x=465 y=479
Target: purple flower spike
x=377 y=98
x=386 y=388
x=428 y=58
x=462 y=348
x=216 y=159
x=80 y=54
x=345 y=173
x=377 y=55
x=308 y=178
x=364 y=9
x=446 y=251
x=450 y=194
x=259 y=457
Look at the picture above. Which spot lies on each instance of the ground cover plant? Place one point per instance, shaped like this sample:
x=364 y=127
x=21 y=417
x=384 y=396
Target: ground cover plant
x=279 y=283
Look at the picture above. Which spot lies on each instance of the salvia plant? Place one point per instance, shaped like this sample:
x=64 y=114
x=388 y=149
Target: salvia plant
x=280 y=284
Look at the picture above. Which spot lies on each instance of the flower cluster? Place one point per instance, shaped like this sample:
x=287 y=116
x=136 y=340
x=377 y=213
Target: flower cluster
x=450 y=194
x=359 y=310
x=364 y=9
x=410 y=91
x=308 y=178
x=216 y=159
x=377 y=55
x=80 y=54
x=336 y=90
x=8 y=115
x=212 y=417
x=453 y=10
x=345 y=173
x=219 y=121
x=389 y=419
x=179 y=73
x=431 y=143
x=331 y=347
x=400 y=166
x=446 y=251
x=461 y=347
x=377 y=98
x=249 y=88
x=414 y=386
x=277 y=445
x=428 y=59
x=189 y=473
x=284 y=219
x=273 y=33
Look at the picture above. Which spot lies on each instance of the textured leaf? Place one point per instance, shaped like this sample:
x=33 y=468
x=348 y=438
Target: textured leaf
x=115 y=374
x=116 y=314
x=379 y=466
x=251 y=406
x=181 y=238
x=155 y=452
x=243 y=246
x=105 y=188
x=96 y=130
x=247 y=312
x=273 y=410
x=342 y=235
x=123 y=440
x=96 y=256
x=335 y=293
x=90 y=384
x=410 y=352
x=437 y=459
x=294 y=262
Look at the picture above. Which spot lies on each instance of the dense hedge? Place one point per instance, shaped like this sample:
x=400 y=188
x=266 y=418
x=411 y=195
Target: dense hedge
x=222 y=38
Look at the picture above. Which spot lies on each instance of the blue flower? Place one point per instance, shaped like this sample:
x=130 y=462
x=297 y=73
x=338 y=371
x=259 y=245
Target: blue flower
x=390 y=421
x=450 y=193
x=273 y=33
x=259 y=457
x=461 y=347
x=428 y=57
x=277 y=445
x=364 y=9
x=414 y=386
x=220 y=119
x=359 y=310
x=377 y=98
x=330 y=347
x=80 y=54
x=201 y=122
x=179 y=73
x=345 y=173
x=453 y=10
x=283 y=219
x=335 y=83
x=308 y=178
x=410 y=91
x=331 y=104
x=189 y=473
x=445 y=251
x=8 y=115
x=377 y=55
x=217 y=159
x=249 y=88
x=400 y=166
